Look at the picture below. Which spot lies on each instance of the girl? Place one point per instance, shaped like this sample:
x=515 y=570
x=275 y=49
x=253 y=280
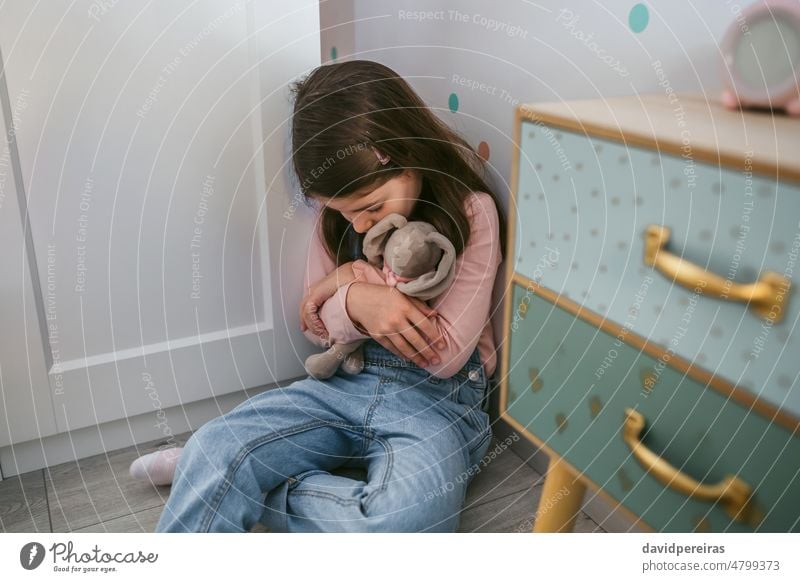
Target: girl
x=364 y=145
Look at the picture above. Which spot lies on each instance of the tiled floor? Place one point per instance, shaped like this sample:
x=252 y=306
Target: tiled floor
x=97 y=495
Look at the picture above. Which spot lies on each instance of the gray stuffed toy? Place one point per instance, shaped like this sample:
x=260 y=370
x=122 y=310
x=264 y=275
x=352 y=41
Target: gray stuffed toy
x=416 y=259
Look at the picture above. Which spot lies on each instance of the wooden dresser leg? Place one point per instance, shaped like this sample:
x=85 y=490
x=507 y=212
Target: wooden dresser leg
x=562 y=495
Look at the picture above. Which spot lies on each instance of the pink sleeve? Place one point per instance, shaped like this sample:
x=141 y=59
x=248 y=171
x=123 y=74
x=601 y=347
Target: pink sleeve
x=463 y=309
x=333 y=313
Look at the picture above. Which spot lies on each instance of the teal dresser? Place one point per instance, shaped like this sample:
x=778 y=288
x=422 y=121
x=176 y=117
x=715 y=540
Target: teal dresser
x=652 y=320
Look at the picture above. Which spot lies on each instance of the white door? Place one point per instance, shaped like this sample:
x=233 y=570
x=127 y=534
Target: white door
x=26 y=409
x=152 y=140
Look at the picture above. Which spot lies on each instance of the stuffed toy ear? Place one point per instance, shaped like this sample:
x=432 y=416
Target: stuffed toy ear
x=431 y=284
x=376 y=237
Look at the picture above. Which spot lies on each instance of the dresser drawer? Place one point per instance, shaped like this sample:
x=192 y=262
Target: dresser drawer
x=583 y=204
x=569 y=382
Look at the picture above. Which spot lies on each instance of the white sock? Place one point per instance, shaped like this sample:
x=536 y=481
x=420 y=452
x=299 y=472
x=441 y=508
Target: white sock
x=157 y=467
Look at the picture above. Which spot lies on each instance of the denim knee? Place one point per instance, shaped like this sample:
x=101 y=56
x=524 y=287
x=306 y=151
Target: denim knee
x=212 y=446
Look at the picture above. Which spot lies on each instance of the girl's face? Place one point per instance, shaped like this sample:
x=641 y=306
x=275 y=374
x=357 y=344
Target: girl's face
x=364 y=209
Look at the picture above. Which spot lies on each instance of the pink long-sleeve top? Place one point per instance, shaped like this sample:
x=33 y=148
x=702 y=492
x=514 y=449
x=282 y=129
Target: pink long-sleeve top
x=462 y=309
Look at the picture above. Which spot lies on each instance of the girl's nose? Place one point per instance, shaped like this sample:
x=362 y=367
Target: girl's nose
x=362 y=224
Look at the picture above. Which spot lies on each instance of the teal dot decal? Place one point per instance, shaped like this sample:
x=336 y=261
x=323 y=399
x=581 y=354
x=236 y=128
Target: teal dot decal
x=333 y=53
x=453 y=102
x=638 y=18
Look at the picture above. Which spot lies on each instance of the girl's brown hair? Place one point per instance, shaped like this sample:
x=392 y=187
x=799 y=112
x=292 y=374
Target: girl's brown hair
x=341 y=111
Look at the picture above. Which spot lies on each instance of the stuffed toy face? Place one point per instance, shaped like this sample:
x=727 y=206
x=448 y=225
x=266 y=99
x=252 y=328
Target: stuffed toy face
x=414 y=253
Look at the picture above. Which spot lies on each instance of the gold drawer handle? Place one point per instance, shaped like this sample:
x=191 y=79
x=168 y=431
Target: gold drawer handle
x=765 y=296
x=732 y=493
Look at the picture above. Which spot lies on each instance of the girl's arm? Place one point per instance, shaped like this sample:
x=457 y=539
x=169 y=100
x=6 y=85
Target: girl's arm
x=316 y=296
x=325 y=288
x=320 y=268
x=463 y=309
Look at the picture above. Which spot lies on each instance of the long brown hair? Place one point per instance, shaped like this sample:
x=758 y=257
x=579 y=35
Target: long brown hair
x=343 y=110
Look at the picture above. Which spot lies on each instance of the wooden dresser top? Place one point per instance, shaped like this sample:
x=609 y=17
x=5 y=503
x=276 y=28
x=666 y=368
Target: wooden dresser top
x=685 y=125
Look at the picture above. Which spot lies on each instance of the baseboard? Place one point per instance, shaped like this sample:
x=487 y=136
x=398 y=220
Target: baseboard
x=94 y=440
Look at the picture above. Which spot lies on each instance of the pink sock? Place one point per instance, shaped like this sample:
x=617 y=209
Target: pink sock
x=157 y=467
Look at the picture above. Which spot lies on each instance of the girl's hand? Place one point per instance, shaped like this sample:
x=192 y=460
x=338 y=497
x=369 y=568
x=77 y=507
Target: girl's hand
x=399 y=323
x=318 y=294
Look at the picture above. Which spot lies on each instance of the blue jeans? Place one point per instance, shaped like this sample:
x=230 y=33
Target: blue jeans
x=418 y=437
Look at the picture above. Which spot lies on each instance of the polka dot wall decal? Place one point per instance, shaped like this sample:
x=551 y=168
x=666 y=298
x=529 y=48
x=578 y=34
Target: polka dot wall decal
x=452 y=102
x=638 y=18
x=334 y=53
x=483 y=151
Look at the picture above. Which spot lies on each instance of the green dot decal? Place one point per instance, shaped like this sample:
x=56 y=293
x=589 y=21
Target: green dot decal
x=453 y=102
x=333 y=53
x=638 y=17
